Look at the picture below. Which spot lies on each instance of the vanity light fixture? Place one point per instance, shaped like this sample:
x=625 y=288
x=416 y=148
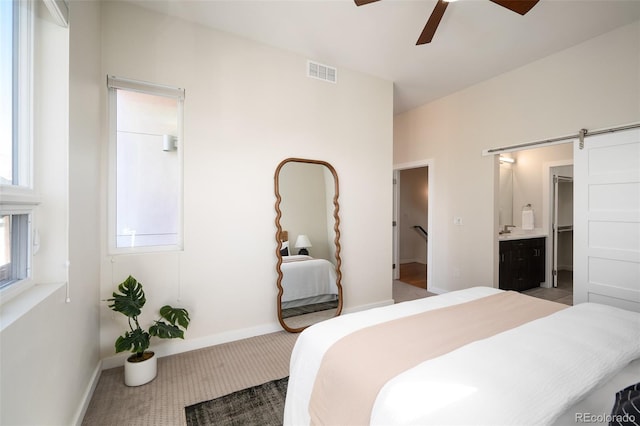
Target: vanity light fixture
x=507 y=160
x=303 y=243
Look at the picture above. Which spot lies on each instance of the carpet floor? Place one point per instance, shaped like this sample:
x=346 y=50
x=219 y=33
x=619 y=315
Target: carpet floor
x=202 y=375
x=189 y=378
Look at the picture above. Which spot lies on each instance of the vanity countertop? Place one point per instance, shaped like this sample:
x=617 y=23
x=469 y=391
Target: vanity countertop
x=520 y=234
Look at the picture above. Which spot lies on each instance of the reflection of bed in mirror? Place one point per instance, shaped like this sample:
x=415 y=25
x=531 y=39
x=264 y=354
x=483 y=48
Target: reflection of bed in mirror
x=306 y=281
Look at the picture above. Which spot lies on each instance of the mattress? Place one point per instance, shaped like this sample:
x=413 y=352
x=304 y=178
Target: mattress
x=553 y=363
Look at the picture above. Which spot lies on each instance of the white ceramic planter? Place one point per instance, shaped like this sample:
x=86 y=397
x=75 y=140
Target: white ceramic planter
x=139 y=373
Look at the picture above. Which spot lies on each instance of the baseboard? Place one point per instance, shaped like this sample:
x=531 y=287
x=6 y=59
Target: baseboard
x=177 y=346
x=436 y=290
x=368 y=306
x=88 y=394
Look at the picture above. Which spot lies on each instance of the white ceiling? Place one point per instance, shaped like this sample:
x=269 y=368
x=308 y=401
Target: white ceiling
x=476 y=39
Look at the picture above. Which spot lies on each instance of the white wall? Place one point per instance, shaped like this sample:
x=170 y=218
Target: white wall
x=592 y=85
x=49 y=356
x=248 y=107
x=528 y=179
x=86 y=112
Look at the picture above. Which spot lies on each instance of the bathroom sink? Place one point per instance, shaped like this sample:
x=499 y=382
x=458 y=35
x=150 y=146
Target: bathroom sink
x=519 y=234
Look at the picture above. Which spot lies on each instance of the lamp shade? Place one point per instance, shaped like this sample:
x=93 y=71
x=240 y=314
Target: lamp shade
x=303 y=242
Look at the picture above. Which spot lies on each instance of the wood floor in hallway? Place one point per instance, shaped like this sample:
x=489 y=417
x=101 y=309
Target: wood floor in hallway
x=414 y=273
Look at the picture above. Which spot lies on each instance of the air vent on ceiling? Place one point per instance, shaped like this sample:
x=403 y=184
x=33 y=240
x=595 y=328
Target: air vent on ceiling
x=322 y=72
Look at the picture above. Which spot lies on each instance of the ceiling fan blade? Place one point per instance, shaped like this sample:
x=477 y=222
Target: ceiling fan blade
x=363 y=2
x=518 y=6
x=433 y=22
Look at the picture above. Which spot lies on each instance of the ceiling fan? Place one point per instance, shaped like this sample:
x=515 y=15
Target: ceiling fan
x=518 y=6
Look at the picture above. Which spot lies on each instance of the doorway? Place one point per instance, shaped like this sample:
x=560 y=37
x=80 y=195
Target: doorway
x=411 y=225
x=531 y=188
x=561 y=230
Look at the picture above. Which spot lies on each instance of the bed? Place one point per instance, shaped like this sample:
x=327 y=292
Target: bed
x=485 y=356
x=305 y=280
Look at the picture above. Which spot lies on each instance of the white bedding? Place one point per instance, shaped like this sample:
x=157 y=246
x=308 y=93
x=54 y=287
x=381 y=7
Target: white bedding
x=304 y=277
x=528 y=375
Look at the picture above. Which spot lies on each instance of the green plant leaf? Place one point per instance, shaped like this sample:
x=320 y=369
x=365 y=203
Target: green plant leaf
x=165 y=331
x=173 y=315
x=135 y=341
x=130 y=300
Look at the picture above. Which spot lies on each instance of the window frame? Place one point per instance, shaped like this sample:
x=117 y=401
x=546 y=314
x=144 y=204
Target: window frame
x=22 y=254
x=113 y=85
x=19 y=197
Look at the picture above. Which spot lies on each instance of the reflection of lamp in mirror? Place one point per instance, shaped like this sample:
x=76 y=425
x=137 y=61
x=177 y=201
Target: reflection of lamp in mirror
x=303 y=243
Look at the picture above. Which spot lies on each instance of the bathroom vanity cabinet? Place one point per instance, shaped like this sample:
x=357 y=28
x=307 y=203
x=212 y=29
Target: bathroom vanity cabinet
x=522 y=263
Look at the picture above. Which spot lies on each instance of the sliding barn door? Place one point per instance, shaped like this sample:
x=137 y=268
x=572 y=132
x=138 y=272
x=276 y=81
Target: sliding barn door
x=607 y=220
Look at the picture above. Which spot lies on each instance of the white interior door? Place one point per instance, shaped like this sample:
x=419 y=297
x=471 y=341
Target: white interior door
x=607 y=220
x=396 y=236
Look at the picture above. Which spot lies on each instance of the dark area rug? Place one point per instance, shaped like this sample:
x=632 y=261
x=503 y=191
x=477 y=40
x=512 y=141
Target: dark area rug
x=258 y=405
x=307 y=309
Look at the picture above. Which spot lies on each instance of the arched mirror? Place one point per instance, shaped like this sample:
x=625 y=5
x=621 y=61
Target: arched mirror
x=308 y=237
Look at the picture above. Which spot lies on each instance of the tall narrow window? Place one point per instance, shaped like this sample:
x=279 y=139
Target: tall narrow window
x=146 y=166
x=15 y=92
x=6 y=91
x=17 y=200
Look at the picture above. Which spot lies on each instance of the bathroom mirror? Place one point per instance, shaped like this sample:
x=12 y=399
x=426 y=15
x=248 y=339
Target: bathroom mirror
x=505 y=215
x=308 y=243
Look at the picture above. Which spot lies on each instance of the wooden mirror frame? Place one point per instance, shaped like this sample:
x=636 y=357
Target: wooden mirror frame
x=280 y=233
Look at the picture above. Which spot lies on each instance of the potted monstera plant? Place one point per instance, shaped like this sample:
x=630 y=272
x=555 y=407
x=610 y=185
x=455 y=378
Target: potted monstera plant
x=142 y=366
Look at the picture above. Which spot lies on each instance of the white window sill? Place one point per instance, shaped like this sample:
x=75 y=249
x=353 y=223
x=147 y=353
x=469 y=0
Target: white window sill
x=18 y=195
x=21 y=304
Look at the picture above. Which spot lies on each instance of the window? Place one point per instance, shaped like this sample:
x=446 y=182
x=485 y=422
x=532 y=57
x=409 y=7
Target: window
x=17 y=201
x=15 y=88
x=146 y=166
x=14 y=251
x=6 y=89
